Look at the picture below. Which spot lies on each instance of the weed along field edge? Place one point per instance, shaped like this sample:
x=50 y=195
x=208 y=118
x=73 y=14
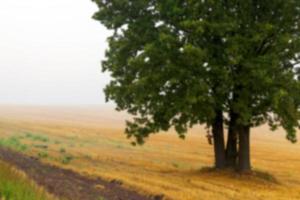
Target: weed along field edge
x=14 y=184
x=90 y=141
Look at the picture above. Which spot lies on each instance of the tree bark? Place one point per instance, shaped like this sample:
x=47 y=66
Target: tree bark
x=219 y=144
x=231 y=147
x=244 y=164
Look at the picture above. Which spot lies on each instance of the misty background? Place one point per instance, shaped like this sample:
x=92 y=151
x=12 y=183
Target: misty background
x=51 y=52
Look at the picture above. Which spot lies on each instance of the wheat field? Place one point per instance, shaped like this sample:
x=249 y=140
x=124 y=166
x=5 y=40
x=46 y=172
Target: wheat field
x=90 y=140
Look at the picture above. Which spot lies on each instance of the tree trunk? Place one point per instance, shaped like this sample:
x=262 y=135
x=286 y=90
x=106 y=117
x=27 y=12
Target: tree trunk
x=244 y=149
x=231 y=147
x=219 y=146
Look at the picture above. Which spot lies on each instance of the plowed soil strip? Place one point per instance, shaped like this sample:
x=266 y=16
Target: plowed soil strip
x=66 y=183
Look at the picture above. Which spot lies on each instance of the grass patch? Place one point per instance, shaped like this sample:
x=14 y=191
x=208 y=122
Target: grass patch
x=57 y=142
x=35 y=137
x=14 y=143
x=66 y=159
x=43 y=154
x=40 y=146
x=176 y=165
x=15 y=186
x=62 y=150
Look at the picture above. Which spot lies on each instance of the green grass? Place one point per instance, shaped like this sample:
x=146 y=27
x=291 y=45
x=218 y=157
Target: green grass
x=66 y=159
x=62 y=150
x=14 y=143
x=35 y=137
x=15 y=186
x=43 y=154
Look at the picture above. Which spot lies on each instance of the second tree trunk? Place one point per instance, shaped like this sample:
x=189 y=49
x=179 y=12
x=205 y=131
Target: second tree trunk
x=231 y=147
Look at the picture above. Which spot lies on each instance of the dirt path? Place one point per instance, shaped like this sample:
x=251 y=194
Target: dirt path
x=66 y=183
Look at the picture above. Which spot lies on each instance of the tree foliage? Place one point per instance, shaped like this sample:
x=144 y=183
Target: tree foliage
x=175 y=63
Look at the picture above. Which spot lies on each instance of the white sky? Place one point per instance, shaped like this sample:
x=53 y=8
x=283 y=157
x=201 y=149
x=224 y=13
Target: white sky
x=50 y=52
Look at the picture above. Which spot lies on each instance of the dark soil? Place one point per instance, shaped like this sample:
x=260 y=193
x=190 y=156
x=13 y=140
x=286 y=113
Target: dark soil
x=68 y=184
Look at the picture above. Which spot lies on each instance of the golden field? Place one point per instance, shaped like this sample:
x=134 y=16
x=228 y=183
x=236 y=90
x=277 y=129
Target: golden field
x=90 y=140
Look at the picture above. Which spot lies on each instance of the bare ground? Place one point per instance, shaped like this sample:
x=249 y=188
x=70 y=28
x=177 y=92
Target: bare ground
x=68 y=184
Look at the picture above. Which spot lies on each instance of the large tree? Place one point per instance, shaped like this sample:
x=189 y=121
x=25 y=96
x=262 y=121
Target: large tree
x=231 y=65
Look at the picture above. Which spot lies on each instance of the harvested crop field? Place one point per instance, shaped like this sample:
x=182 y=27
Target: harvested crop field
x=67 y=184
x=90 y=141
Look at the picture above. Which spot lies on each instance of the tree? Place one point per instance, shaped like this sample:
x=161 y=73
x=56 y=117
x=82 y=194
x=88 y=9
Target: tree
x=226 y=64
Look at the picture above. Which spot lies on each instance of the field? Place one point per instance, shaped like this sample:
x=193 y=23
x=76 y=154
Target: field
x=90 y=140
x=14 y=185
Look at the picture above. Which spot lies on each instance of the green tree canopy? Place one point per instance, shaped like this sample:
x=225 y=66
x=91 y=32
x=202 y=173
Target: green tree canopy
x=178 y=63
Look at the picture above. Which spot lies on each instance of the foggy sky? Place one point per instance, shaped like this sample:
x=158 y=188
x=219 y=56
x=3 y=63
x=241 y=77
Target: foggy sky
x=50 y=53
